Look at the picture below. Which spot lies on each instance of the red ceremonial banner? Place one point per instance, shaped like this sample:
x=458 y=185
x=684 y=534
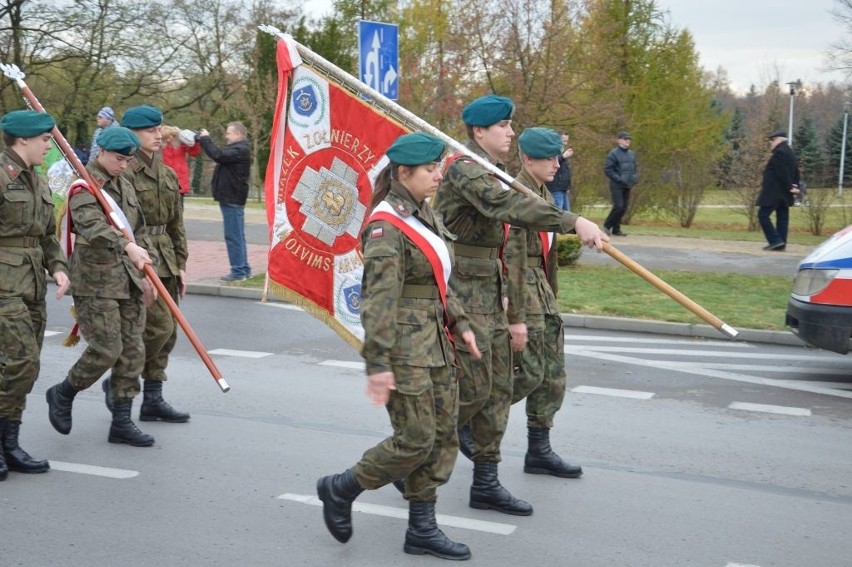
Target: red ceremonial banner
x=327 y=148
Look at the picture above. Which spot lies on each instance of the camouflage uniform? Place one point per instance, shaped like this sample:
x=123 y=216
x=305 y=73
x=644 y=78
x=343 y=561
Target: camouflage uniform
x=107 y=288
x=403 y=320
x=539 y=373
x=28 y=247
x=474 y=206
x=158 y=192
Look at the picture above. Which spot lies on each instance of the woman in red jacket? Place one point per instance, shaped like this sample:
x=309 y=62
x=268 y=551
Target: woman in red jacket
x=176 y=148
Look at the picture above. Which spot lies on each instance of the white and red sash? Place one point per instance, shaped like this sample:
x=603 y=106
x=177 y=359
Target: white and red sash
x=546 y=242
x=430 y=244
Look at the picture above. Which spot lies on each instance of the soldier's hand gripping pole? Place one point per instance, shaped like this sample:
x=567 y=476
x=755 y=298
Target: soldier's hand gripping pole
x=414 y=122
x=17 y=75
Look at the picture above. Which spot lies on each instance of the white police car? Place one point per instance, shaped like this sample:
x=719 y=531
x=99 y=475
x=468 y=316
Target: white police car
x=820 y=308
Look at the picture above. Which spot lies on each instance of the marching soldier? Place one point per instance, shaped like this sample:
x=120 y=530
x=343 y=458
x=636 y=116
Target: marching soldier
x=28 y=247
x=539 y=370
x=407 y=264
x=474 y=206
x=158 y=193
x=110 y=291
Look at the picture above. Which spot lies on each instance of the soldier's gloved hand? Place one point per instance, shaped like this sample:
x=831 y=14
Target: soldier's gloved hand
x=590 y=234
x=519 y=335
x=379 y=386
x=138 y=255
x=470 y=340
x=62 y=283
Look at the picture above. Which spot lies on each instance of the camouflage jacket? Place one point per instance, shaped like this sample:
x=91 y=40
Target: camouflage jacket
x=403 y=328
x=158 y=193
x=474 y=206
x=100 y=267
x=530 y=294
x=28 y=242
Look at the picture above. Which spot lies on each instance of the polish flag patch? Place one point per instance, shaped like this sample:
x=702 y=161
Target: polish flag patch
x=377 y=232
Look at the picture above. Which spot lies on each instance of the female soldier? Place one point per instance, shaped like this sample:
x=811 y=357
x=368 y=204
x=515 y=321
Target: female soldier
x=28 y=246
x=406 y=309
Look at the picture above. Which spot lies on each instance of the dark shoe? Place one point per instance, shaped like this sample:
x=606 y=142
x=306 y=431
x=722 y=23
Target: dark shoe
x=540 y=458
x=619 y=233
x=155 y=408
x=106 y=385
x=230 y=278
x=776 y=246
x=337 y=493
x=423 y=535
x=17 y=459
x=487 y=493
x=123 y=430
x=466 y=445
x=4 y=469
x=60 y=398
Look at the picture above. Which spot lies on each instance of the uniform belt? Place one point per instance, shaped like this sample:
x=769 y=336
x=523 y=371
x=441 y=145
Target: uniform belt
x=476 y=251
x=411 y=291
x=534 y=262
x=20 y=241
x=155 y=230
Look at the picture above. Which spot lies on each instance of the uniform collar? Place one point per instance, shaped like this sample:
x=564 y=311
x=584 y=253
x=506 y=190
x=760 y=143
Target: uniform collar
x=13 y=165
x=401 y=200
x=477 y=149
x=529 y=182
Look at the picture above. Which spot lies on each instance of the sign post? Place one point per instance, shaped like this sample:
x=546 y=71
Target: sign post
x=378 y=48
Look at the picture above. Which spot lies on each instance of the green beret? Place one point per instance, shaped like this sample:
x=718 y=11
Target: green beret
x=119 y=140
x=416 y=149
x=142 y=116
x=27 y=123
x=488 y=110
x=540 y=143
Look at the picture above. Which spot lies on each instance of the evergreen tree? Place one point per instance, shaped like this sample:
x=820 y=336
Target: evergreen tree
x=734 y=137
x=809 y=152
x=833 y=145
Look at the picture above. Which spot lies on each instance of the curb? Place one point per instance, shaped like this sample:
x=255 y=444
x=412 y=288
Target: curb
x=784 y=338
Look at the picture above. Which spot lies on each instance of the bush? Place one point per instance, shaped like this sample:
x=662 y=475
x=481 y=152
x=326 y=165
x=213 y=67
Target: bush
x=568 y=249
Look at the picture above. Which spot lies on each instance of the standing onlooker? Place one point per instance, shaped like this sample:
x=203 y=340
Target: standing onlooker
x=230 y=188
x=110 y=292
x=539 y=369
x=620 y=167
x=407 y=263
x=105 y=119
x=560 y=186
x=29 y=247
x=178 y=145
x=777 y=194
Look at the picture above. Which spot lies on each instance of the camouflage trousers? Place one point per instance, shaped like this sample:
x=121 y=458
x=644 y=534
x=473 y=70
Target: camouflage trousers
x=112 y=329
x=22 y=326
x=160 y=334
x=540 y=373
x=485 y=385
x=423 y=412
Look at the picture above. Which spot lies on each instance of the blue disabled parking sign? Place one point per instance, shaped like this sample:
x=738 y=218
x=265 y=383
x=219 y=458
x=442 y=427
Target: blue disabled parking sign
x=378 y=45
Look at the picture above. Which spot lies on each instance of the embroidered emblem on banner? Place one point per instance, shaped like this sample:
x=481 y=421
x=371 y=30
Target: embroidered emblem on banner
x=329 y=201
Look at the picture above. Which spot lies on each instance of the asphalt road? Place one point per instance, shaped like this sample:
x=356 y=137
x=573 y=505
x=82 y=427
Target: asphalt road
x=676 y=471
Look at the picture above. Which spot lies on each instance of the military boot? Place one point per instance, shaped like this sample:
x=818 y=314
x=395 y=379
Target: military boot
x=60 y=398
x=106 y=384
x=4 y=470
x=155 y=408
x=337 y=493
x=487 y=493
x=123 y=430
x=423 y=535
x=540 y=458
x=17 y=459
x=466 y=445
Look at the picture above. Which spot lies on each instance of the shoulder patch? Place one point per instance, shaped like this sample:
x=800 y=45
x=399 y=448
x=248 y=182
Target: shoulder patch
x=377 y=232
x=13 y=170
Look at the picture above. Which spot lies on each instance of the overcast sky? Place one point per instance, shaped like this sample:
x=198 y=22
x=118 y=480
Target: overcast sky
x=756 y=41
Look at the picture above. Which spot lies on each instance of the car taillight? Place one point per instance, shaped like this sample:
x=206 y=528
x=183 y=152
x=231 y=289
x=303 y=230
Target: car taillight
x=811 y=282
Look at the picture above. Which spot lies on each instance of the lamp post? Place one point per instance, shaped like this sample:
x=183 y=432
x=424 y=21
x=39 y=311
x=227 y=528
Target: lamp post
x=794 y=86
x=843 y=148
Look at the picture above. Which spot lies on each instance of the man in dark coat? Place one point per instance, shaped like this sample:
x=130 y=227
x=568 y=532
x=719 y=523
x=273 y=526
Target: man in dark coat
x=620 y=168
x=780 y=184
x=230 y=189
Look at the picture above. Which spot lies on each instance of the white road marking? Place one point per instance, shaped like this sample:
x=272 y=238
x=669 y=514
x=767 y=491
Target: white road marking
x=707 y=353
x=93 y=470
x=401 y=513
x=741 y=565
x=635 y=394
x=769 y=368
x=766 y=408
x=353 y=364
x=240 y=353
x=695 y=342
x=287 y=306
x=691 y=368
x=52 y=333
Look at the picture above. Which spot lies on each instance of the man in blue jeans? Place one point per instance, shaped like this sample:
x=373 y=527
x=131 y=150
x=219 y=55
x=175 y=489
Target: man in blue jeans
x=230 y=189
x=560 y=187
